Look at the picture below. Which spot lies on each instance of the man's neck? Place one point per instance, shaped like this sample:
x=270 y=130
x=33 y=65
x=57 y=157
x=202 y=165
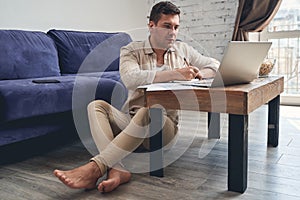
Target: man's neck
x=158 y=51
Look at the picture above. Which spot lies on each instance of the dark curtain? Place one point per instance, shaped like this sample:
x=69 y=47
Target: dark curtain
x=253 y=16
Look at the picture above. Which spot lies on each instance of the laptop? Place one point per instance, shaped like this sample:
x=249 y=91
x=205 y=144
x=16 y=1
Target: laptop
x=240 y=64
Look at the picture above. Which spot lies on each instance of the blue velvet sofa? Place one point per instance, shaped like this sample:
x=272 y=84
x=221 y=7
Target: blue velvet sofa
x=83 y=65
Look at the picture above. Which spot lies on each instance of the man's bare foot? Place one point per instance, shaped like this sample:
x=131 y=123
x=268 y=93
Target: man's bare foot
x=115 y=178
x=85 y=176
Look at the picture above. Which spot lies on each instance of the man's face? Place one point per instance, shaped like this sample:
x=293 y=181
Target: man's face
x=164 y=33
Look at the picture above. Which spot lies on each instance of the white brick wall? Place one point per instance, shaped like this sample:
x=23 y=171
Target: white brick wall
x=207 y=25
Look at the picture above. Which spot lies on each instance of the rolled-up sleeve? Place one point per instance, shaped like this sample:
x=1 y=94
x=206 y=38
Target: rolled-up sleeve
x=132 y=73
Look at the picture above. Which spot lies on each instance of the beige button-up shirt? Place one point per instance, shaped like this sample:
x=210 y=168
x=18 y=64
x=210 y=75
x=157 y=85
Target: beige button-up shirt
x=138 y=66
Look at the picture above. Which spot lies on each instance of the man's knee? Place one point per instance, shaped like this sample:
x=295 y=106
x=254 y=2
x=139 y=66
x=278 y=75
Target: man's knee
x=97 y=105
x=143 y=111
x=142 y=116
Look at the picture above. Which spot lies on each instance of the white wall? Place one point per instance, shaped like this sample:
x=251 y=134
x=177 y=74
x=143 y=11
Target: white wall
x=205 y=24
x=86 y=15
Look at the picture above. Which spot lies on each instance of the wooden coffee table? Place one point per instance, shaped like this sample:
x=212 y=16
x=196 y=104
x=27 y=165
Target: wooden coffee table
x=238 y=101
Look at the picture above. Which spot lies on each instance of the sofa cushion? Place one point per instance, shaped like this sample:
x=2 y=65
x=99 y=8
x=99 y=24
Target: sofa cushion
x=74 y=47
x=23 y=98
x=27 y=54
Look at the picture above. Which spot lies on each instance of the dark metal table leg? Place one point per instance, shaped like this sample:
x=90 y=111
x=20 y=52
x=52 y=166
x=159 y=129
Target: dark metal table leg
x=237 y=153
x=156 y=143
x=213 y=125
x=273 y=121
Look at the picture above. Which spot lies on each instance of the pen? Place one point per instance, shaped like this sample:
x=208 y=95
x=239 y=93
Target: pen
x=185 y=62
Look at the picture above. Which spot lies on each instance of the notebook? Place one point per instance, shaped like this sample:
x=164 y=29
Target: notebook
x=240 y=64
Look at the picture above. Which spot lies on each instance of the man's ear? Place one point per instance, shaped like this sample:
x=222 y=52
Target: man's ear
x=151 y=24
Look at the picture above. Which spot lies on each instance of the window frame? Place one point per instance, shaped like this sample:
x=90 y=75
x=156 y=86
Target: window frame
x=265 y=35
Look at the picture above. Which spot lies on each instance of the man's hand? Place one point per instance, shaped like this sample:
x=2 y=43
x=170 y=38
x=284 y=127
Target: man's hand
x=183 y=74
x=189 y=73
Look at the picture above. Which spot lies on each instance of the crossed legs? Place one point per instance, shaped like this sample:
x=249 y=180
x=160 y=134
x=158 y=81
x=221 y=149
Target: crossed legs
x=116 y=135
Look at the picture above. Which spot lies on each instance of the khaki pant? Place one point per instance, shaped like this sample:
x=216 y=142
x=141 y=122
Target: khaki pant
x=117 y=134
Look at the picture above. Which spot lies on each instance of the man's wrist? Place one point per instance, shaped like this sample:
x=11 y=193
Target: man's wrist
x=207 y=73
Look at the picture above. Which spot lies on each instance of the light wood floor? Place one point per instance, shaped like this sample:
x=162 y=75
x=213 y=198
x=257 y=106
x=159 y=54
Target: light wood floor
x=273 y=172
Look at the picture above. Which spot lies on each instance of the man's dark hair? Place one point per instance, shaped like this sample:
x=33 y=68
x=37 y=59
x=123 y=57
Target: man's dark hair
x=163 y=7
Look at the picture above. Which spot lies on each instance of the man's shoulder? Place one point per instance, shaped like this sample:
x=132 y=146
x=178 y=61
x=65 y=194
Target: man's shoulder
x=135 y=44
x=181 y=44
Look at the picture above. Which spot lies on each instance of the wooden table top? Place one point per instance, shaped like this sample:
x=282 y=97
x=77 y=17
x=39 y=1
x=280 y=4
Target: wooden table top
x=236 y=99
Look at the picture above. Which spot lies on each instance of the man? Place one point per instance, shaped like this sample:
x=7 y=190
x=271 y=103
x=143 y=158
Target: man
x=116 y=134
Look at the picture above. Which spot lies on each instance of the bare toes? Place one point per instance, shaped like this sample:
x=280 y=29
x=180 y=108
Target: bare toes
x=85 y=176
x=101 y=187
x=115 y=179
